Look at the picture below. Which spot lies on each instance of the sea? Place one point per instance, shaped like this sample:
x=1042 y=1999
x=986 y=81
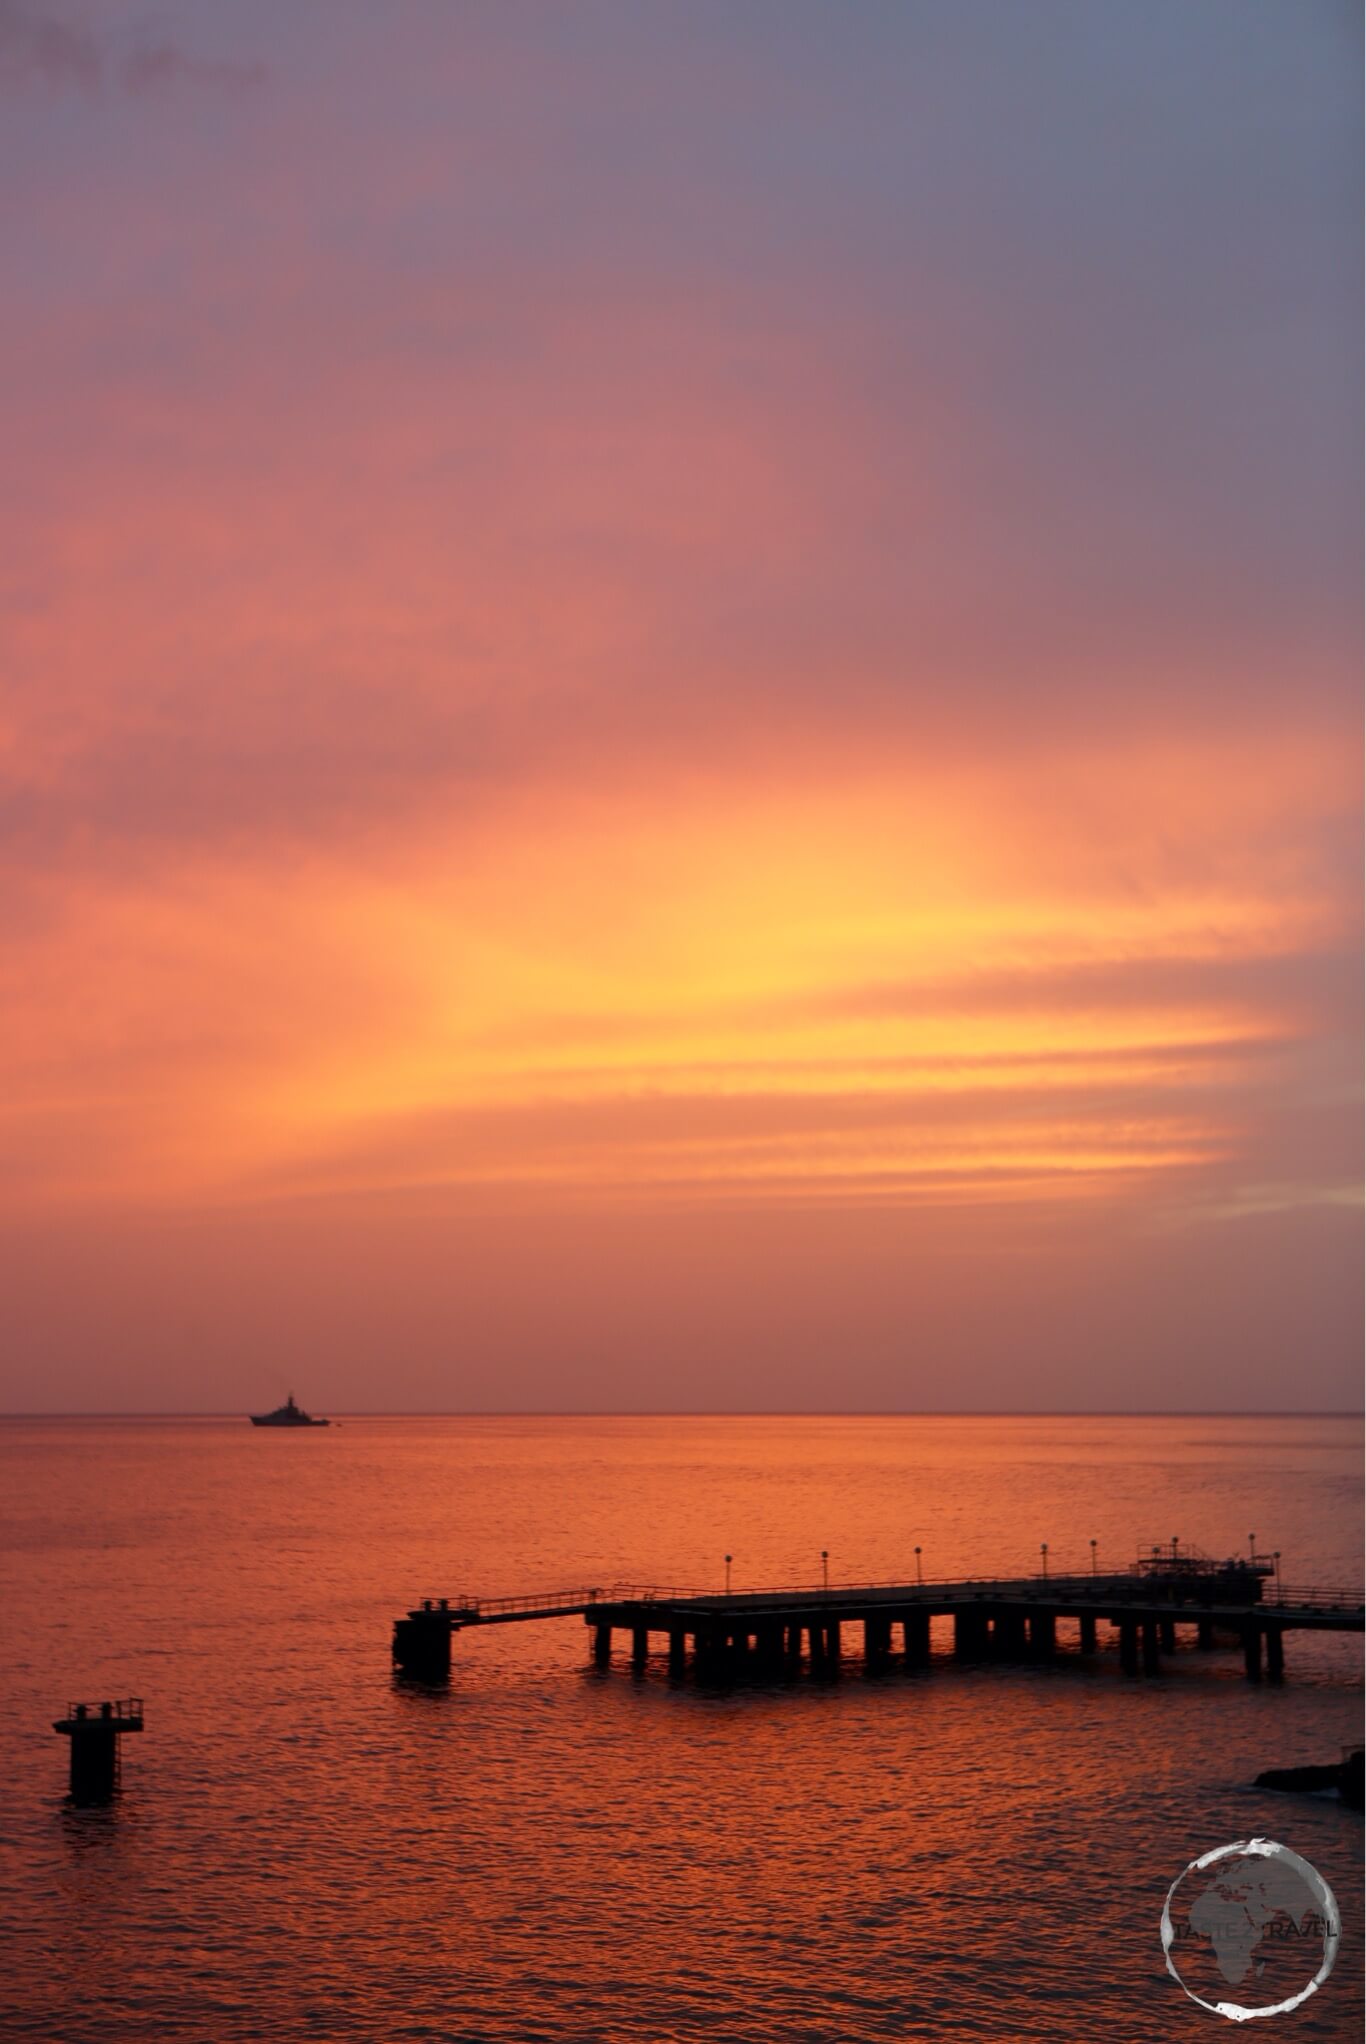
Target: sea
x=305 y=1847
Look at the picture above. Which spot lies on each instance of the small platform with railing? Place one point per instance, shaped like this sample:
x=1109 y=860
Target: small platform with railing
x=94 y=1730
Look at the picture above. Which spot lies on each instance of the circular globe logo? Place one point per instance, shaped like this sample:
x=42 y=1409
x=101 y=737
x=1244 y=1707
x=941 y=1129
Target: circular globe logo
x=1250 y=1930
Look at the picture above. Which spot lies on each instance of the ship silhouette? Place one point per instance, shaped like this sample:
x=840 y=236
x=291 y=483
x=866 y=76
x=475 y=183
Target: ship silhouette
x=287 y=1415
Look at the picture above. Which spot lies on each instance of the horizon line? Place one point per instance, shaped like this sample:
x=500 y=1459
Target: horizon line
x=756 y=1412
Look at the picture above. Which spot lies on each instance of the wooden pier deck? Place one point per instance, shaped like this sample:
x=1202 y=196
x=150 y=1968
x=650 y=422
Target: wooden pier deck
x=728 y=1634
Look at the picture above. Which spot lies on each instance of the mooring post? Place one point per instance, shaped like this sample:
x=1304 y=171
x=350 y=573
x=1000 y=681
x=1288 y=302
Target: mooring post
x=94 y=1734
x=1128 y=1646
x=1088 y=1632
x=422 y=1644
x=1275 y=1652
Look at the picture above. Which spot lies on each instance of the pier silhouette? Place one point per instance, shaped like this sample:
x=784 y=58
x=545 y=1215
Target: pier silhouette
x=726 y=1634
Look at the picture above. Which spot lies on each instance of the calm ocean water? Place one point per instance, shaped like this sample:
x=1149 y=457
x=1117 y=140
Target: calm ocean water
x=305 y=1849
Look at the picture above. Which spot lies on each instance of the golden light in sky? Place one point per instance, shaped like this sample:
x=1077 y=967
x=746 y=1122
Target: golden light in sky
x=594 y=695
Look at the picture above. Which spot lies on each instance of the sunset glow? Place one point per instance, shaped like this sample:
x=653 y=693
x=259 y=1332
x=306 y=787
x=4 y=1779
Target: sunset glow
x=598 y=685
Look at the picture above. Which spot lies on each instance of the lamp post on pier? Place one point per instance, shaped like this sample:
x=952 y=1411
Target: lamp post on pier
x=919 y=1572
x=825 y=1566
x=1093 y=1557
x=1043 y=1550
x=729 y=1558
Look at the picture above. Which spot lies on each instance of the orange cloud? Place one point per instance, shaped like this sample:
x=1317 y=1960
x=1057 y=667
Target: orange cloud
x=877 y=984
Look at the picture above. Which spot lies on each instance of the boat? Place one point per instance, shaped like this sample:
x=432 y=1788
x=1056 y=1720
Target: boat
x=287 y=1415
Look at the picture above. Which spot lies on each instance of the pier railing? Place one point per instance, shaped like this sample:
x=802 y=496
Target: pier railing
x=1080 y=1587
x=120 y=1711
x=501 y=1607
x=1235 y=1587
x=1307 y=1598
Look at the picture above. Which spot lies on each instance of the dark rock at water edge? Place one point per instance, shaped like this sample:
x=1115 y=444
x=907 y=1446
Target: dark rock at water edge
x=1344 y=1776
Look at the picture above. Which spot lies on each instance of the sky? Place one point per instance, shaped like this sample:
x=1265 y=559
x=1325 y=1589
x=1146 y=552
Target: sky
x=680 y=712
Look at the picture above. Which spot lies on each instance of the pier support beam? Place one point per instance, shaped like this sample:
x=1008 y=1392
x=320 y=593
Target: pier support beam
x=1128 y=1646
x=678 y=1650
x=1009 y=1637
x=1252 y=1650
x=422 y=1646
x=1152 y=1659
x=969 y=1634
x=832 y=1641
x=602 y=1645
x=1275 y=1652
x=877 y=1639
x=1205 y=1633
x=1088 y=1632
x=915 y=1635
x=640 y=1646
x=708 y=1650
x=769 y=1644
x=794 y=1644
x=1166 y=1633
x=1043 y=1635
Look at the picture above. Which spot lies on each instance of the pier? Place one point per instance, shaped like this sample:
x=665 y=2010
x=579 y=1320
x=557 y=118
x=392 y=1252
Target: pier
x=723 y=1636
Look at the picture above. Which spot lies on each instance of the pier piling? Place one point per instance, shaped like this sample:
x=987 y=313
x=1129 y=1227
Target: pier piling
x=915 y=1636
x=969 y=1634
x=1252 y=1650
x=1043 y=1635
